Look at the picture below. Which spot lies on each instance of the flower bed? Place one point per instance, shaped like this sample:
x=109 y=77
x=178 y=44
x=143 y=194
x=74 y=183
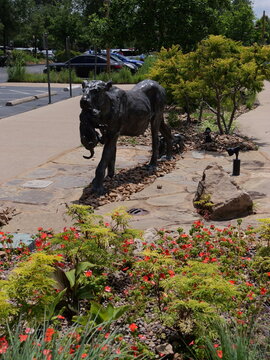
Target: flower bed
x=101 y=291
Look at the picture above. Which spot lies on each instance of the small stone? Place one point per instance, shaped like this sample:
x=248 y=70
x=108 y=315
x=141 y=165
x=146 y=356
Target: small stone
x=159 y=186
x=37 y=184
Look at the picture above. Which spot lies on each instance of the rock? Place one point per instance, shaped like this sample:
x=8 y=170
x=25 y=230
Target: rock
x=178 y=357
x=165 y=349
x=218 y=197
x=151 y=235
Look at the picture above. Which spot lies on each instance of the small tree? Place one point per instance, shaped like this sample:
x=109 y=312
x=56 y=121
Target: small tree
x=220 y=74
x=228 y=72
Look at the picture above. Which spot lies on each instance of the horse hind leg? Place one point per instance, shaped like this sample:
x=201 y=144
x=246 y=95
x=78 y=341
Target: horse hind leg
x=166 y=133
x=155 y=145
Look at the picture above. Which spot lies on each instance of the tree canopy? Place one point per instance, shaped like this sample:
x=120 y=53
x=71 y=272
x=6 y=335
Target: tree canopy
x=145 y=24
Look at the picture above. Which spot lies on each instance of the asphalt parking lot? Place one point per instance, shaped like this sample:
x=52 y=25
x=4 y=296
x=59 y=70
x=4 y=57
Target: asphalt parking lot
x=11 y=93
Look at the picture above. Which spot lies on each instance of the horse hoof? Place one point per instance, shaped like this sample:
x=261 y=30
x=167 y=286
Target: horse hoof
x=150 y=168
x=98 y=190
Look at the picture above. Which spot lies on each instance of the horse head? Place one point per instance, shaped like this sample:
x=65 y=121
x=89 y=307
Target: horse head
x=94 y=104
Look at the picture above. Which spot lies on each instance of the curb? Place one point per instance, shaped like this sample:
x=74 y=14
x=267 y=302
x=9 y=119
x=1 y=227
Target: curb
x=73 y=87
x=29 y=98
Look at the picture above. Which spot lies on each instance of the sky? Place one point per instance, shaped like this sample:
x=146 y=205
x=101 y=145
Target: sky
x=259 y=6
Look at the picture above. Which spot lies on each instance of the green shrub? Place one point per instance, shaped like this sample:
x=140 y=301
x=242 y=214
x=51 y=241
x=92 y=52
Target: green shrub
x=6 y=308
x=16 y=66
x=30 y=285
x=173 y=119
x=198 y=293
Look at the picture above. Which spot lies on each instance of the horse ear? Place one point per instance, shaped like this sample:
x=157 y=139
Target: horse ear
x=84 y=84
x=108 y=85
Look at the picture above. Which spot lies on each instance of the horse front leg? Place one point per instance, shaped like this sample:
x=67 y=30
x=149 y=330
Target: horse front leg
x=155 y=142
x=166 y=133
x=108 y=151
x=111 y=165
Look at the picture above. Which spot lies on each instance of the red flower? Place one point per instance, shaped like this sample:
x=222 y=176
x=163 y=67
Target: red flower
x=48 y=354
x=23 y=337
x=171 y=273
x=49 y=334
x=133 y=327
x=88 y=273
x=232 y=281
x=107 y=288
x=263 y=291
x=3 y=345
x=220 y=354
x=84 y=355
x=60 y=317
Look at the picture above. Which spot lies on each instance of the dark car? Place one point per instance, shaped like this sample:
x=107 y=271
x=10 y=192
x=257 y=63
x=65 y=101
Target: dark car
x=85 y=63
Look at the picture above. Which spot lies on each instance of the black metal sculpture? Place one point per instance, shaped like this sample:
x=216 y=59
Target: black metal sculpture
x=108 y=112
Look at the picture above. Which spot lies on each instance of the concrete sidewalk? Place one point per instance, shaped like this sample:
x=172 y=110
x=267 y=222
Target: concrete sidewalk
x=35 y=137
x=256 y=123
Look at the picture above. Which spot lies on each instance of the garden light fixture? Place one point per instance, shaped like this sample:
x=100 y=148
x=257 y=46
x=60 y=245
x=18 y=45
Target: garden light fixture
x=236 y=161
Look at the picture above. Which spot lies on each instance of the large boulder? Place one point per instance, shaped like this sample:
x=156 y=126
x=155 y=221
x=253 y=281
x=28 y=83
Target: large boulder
x=218 y=197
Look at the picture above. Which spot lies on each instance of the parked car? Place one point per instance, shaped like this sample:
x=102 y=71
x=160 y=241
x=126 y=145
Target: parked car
x=83 y=64
x=132 y=67
x=138 y=63
x=51 y=54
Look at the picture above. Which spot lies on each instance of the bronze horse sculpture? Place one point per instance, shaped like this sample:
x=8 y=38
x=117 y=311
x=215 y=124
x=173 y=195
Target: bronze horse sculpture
x=108 y=112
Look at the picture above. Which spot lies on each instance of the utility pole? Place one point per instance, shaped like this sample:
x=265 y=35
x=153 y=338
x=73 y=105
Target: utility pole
x=263 y=27
x=45 y=45
x=108 y=50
